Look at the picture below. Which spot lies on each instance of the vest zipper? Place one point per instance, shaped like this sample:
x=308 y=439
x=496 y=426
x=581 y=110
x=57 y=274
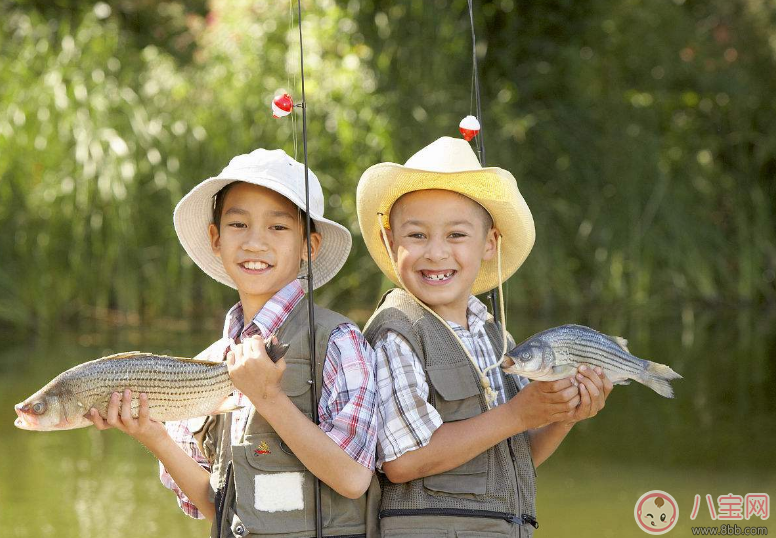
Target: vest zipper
x=220 y=497
x=514 y=469
x=459 y=512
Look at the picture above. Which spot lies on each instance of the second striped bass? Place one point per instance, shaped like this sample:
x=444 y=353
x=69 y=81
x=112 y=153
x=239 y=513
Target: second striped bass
x=556 y=353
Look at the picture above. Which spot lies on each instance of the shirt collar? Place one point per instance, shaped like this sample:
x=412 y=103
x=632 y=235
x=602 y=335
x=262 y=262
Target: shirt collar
x=476 y=315
x=269 y=318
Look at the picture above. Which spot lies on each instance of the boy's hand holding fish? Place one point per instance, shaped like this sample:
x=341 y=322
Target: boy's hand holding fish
x=544 y=402
x=146 y=431
x=592 y=386
x=254 y=373
x=152 y=434
x=565 y=401
x=594 y=389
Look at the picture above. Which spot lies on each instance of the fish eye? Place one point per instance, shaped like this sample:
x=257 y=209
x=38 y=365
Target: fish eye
x=39 y=408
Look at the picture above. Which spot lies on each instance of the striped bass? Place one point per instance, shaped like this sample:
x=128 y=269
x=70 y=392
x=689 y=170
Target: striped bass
x=177 y=389
x=556 y=353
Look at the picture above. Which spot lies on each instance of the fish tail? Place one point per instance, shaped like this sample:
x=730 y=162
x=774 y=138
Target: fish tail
x=275 y=349
x=657 y=377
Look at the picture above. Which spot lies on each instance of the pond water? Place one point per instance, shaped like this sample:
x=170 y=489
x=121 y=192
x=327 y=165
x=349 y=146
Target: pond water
x=716 y=437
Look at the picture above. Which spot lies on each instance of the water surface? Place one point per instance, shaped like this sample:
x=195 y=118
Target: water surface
x=716 y=437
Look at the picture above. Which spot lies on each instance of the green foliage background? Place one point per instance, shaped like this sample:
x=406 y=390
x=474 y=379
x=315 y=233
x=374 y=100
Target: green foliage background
x=639 y=132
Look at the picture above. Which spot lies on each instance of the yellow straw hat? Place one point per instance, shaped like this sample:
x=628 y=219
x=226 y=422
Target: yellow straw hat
x=448 y=164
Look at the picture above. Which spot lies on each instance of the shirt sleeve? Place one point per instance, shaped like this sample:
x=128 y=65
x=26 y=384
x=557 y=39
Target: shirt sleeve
x=181 y=433
x=346 y=411
x=215 y=351
x=405 y=419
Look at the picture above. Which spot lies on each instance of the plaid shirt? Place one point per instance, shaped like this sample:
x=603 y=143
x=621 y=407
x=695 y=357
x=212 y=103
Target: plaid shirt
x=346 y=410
x=406 y=420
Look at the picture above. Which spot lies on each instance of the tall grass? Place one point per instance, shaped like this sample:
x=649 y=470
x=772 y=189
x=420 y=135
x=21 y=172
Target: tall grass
x=638 y=132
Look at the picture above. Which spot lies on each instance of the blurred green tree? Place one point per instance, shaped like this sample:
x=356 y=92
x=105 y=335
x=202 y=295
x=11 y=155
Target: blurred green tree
x=638 y=132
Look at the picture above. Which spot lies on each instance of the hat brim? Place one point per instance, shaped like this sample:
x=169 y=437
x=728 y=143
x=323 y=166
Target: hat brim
x=493 y=188
x=193 y=215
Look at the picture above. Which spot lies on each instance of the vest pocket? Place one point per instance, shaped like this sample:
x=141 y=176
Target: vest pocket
x=296 y=384
x=415 y=533
x=274 y=493
x=458 y=398
x=457 y=391
x=466 y=480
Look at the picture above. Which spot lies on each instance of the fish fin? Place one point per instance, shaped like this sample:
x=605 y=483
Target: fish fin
x=128 y=355
x=227 y=405
x=620 y=341
x=195 y=361
x=564 y=370
x=195 y=424
x=657 y=377
x=137 y=354
x=622 y=382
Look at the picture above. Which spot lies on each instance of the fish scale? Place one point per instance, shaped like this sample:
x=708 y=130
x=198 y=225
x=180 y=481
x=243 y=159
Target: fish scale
x=589 y=354
x=583 y=345
x=178 y=387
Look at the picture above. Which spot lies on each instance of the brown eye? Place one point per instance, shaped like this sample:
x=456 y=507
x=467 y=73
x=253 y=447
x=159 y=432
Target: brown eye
x=39 y=408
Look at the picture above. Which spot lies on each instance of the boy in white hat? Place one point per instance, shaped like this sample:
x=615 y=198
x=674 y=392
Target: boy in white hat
x=457 y=438
x=250 y=471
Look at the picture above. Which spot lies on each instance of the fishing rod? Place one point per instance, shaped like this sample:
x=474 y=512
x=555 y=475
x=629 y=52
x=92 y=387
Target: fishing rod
x=310 y=305
x=492 y=294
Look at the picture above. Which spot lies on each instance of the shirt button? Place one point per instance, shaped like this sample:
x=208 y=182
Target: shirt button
x=239 y=530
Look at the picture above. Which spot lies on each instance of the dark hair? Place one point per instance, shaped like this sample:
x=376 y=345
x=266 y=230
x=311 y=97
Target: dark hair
x=218 y=208
x=218 y=204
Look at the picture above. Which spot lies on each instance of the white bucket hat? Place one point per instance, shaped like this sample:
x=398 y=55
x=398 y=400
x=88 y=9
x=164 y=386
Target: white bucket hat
x=447 y=164
x=274 y=170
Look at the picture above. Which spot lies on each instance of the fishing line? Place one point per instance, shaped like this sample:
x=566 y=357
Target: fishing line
x=494 y=295
x=480 y=142
x=292 y=84
x=310 y=313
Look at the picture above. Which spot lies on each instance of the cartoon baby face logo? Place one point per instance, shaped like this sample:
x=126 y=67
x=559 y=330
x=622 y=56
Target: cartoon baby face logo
x=656 y=512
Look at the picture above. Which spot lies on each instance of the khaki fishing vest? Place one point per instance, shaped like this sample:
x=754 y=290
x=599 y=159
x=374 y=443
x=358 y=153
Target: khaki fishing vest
x=498 y=484
x=259 y=487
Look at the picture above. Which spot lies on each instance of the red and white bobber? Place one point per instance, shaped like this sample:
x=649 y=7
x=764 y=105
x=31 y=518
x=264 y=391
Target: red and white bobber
x=282 y=105
x=469 y=127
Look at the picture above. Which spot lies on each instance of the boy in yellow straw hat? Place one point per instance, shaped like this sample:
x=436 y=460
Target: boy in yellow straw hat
x=251 y=470
x=457 y=438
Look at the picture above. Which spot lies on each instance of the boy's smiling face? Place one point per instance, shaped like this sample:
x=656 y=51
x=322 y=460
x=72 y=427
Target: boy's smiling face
x=260 y=242
x=439 y=239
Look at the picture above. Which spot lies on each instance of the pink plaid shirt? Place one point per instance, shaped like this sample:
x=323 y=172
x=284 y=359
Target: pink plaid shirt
x=346 y=410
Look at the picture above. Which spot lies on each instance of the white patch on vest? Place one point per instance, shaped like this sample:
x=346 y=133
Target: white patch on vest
x=279 y=492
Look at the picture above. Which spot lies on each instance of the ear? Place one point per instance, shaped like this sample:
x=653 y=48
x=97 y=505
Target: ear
x=389 y=235
x=491 y=244
x=315 y=246
x=215 y=239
